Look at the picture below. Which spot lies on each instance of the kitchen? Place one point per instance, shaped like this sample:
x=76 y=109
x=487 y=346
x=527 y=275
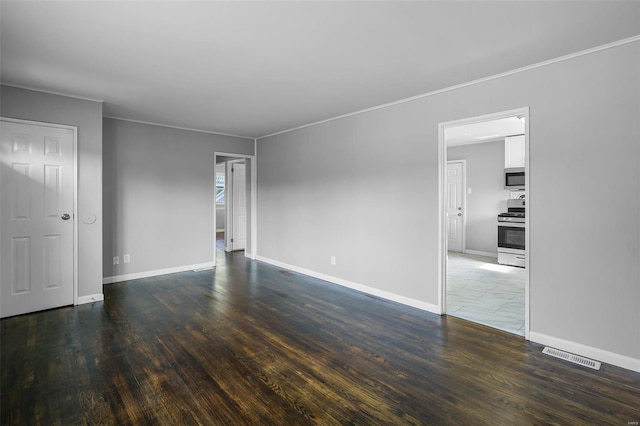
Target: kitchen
x=485 y=223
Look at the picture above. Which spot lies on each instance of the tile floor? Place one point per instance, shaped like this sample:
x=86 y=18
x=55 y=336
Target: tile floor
x=481 y=290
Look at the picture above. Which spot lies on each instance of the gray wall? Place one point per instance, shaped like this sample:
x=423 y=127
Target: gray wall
x=87 y=116
x=221 y=218
x=159 y=195
x=485 y=177
x=328 y=189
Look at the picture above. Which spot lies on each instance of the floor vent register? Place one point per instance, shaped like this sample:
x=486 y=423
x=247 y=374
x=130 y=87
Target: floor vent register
x=580 y=360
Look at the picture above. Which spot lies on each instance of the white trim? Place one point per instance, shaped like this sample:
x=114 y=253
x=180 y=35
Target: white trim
x=228 y=205
x=442 y=221
x=98 y=297
x=155 y=273
x=355 y=286
x=442 y=160
x=233 y=154
x=76 y=240
x=76 y=219
x=220 y=230
x=527 y=234
x=190 y=129
x=254 y=201
x=469 y=83
x=51 y=92
x=482 y=253
x=612 y=358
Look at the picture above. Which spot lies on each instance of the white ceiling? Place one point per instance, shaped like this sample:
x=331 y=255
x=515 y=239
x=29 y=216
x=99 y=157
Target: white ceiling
x=486 y=131
x=255 y=68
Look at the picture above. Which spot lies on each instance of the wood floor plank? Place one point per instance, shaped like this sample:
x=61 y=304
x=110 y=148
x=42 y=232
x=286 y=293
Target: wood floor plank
x=249 y=344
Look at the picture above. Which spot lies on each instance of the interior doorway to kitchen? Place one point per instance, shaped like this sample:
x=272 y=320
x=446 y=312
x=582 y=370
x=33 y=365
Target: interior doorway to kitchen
x=484 y=266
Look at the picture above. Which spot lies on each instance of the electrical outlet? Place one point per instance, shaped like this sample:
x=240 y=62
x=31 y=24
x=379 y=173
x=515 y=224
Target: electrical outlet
x=126 y=258
x=333 y=260
x=116 y=260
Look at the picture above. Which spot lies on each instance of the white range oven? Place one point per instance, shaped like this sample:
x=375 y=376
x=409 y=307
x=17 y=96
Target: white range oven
x=511 y=234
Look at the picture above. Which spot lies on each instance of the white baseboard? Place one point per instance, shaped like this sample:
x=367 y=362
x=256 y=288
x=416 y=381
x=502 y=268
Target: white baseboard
x=482 y=253
x=354 y=286
x=587 y=351
x=81 y=300
x=146 y=274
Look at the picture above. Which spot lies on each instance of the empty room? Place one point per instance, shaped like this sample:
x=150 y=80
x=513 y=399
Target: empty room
x=319 y=212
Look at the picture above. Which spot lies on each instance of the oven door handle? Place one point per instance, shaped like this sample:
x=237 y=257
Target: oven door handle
x=512 y=224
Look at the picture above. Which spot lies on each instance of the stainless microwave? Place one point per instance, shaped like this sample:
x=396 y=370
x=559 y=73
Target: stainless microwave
x=514 y=178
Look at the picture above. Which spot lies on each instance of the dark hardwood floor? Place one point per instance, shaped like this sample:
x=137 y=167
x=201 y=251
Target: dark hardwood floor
x=250 y=343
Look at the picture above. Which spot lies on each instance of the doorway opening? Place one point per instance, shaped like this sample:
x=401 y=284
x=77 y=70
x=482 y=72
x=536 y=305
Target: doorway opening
x=220 y=205
x=235 y=205
x=484 y=220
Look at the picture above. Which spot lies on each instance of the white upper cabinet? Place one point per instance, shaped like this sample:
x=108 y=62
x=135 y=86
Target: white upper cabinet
x=514 y=151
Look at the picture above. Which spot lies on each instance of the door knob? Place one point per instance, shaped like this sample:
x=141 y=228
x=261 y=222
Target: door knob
x=65 y=216
x=459 y=214
x=459 y=208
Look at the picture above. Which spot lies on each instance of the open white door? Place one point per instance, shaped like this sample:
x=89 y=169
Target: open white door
x=455 y=212
x=239 y=235
x=36 y=217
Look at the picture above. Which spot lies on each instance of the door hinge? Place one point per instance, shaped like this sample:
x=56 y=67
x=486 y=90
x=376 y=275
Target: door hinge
x=232 y=240
x=233 y=170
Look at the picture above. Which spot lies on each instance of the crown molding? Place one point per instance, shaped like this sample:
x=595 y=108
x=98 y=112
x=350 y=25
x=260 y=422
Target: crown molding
x=374 y=108
x=470 y=83
x=51 y=92
x=176 y=127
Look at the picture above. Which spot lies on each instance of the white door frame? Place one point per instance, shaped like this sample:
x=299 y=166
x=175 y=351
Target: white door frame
x=74 y=130
x=442 y=235
x=228 y=202
x=463 y=225
x=253 y=235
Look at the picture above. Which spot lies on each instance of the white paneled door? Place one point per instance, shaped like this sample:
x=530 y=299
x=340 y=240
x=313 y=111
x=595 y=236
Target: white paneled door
x=36 y=217
x=455 y=212
x=239 y=207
